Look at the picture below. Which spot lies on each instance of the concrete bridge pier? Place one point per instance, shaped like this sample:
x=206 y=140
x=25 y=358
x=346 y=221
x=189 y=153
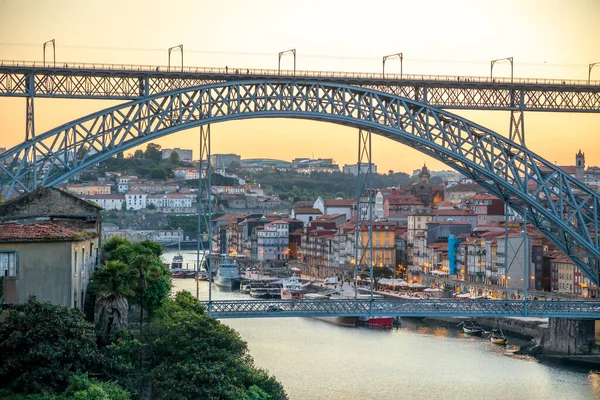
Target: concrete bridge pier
x=569 y=336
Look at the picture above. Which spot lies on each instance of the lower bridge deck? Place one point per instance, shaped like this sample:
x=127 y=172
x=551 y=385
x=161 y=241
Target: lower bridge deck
x=403 y=308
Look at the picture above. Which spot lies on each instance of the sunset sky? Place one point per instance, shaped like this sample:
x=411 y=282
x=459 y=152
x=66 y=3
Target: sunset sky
x=547 y=38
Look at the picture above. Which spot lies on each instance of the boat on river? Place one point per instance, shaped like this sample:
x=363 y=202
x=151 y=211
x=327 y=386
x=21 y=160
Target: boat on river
x=471 y=328
x=498 y=338
x=292 y=288
x=228 y=274
x=177 y=262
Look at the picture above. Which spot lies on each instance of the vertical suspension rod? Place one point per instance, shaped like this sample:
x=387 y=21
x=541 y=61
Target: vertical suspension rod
x=205 y=198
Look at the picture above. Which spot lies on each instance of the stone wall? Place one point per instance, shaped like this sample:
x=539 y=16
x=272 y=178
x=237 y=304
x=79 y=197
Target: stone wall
x=569 y=336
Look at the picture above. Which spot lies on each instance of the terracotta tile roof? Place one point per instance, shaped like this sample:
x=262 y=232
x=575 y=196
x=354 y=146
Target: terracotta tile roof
x=308 y=211
x=12 y=232
x=339 y=203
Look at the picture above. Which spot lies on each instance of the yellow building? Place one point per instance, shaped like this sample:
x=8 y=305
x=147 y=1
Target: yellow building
x=89 y=189
x=384 y=248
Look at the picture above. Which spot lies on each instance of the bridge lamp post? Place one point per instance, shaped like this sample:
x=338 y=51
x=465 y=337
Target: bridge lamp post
x=180 y=47
x=281 y=54
x=53 y=42
x=392 y=56
x=508 y=59
x=591 y=66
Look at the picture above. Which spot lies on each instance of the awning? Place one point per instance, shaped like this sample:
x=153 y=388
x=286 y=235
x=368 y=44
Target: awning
x=295 y=269
x=438 y=272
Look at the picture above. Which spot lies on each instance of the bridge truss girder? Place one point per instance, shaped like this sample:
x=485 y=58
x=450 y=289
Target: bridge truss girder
x=561 y=207
x=404 y=308
x=129 y=84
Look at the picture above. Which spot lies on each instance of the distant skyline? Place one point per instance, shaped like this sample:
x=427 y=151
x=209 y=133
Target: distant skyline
x=547 y=38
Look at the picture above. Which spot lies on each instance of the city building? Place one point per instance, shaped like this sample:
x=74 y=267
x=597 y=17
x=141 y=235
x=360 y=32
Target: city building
x=184 y=154
x=260 y=163
x=187 y=173
x=107 y=201
x=364 y=168
x=272 y=242
x=91 y=188
x=224 y=160
x=488 y=208
x=136 y=200
x=169 y=202
x=49 y=241
x=384 y=245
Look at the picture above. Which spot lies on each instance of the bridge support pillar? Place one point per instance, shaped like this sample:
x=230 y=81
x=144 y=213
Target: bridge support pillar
x=569 y=336
x=363 y=249
x=204 y=205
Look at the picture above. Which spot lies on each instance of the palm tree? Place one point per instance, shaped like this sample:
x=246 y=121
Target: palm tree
x=143 y=265
x=114 y=283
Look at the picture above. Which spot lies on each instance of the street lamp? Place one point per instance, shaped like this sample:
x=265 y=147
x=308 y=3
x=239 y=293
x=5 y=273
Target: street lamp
x=509 y=59
x=53 y=42
x=591 y=66
x=180 y=47
x=392 y=56
x=281 y=54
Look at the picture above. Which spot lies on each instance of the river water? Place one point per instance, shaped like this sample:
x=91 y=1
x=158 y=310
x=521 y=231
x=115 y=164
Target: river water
x=318 y=360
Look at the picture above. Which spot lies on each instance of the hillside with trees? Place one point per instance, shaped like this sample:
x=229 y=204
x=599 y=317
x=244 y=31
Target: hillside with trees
x=296 y=187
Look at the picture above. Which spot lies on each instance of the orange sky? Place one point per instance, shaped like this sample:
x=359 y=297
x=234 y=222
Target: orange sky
x=547 y=38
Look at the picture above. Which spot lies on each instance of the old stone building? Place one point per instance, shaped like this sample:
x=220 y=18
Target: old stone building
x=49 y=247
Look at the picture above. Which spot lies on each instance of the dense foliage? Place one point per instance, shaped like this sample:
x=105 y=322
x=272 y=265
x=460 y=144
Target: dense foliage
x=143 y=164
x=190 y=355
x=296 y=187
x=42 y=345
x=153 y=277
x=112 y=285
x=80 y=388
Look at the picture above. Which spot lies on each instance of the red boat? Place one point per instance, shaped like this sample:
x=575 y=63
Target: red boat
x=376 y=322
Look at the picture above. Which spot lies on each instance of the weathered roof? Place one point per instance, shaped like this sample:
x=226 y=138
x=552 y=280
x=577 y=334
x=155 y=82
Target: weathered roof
x=47 y=202
x=13 y=232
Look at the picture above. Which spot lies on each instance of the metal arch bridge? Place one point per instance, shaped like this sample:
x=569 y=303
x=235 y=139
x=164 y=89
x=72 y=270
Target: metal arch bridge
x=561 y=207
x=131 y=82
x=403 y=308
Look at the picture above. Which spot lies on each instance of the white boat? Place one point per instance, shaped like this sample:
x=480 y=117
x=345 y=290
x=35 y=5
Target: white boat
x=471 y=328
x=228 y=274
x=292 y=288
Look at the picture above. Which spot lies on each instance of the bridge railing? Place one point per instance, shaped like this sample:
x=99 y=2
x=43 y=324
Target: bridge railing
x=298 y=73
x=402 y=307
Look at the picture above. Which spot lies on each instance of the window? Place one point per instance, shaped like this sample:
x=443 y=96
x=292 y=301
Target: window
x=75 y=262
x=8 y=263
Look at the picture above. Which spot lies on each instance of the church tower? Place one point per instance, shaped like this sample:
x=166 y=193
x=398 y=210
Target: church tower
x=579 y=165
x=424 y=175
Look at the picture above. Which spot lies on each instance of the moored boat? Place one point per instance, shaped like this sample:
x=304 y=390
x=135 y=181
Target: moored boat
x=376 y=322
x=259 y=293
x=499 y=338
x=292 y=288
x=177 y=262
x=228 y=274
x=471 y=328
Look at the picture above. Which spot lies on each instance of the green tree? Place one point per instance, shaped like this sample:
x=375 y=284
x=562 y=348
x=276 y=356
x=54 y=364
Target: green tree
x=42 y=345
x=114 y=242
x=158 y=173
x=138 y=154
x=153 y=152
x=151 y=206
x=144 y=265
x=174 y=158
x=82 y=388
x=113 y=283
x=197 y=357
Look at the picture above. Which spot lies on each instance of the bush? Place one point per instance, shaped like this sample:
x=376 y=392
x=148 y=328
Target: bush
x=42 y=345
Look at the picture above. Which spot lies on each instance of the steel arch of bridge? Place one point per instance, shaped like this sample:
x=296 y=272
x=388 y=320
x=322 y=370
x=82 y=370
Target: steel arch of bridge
x=561 y=207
